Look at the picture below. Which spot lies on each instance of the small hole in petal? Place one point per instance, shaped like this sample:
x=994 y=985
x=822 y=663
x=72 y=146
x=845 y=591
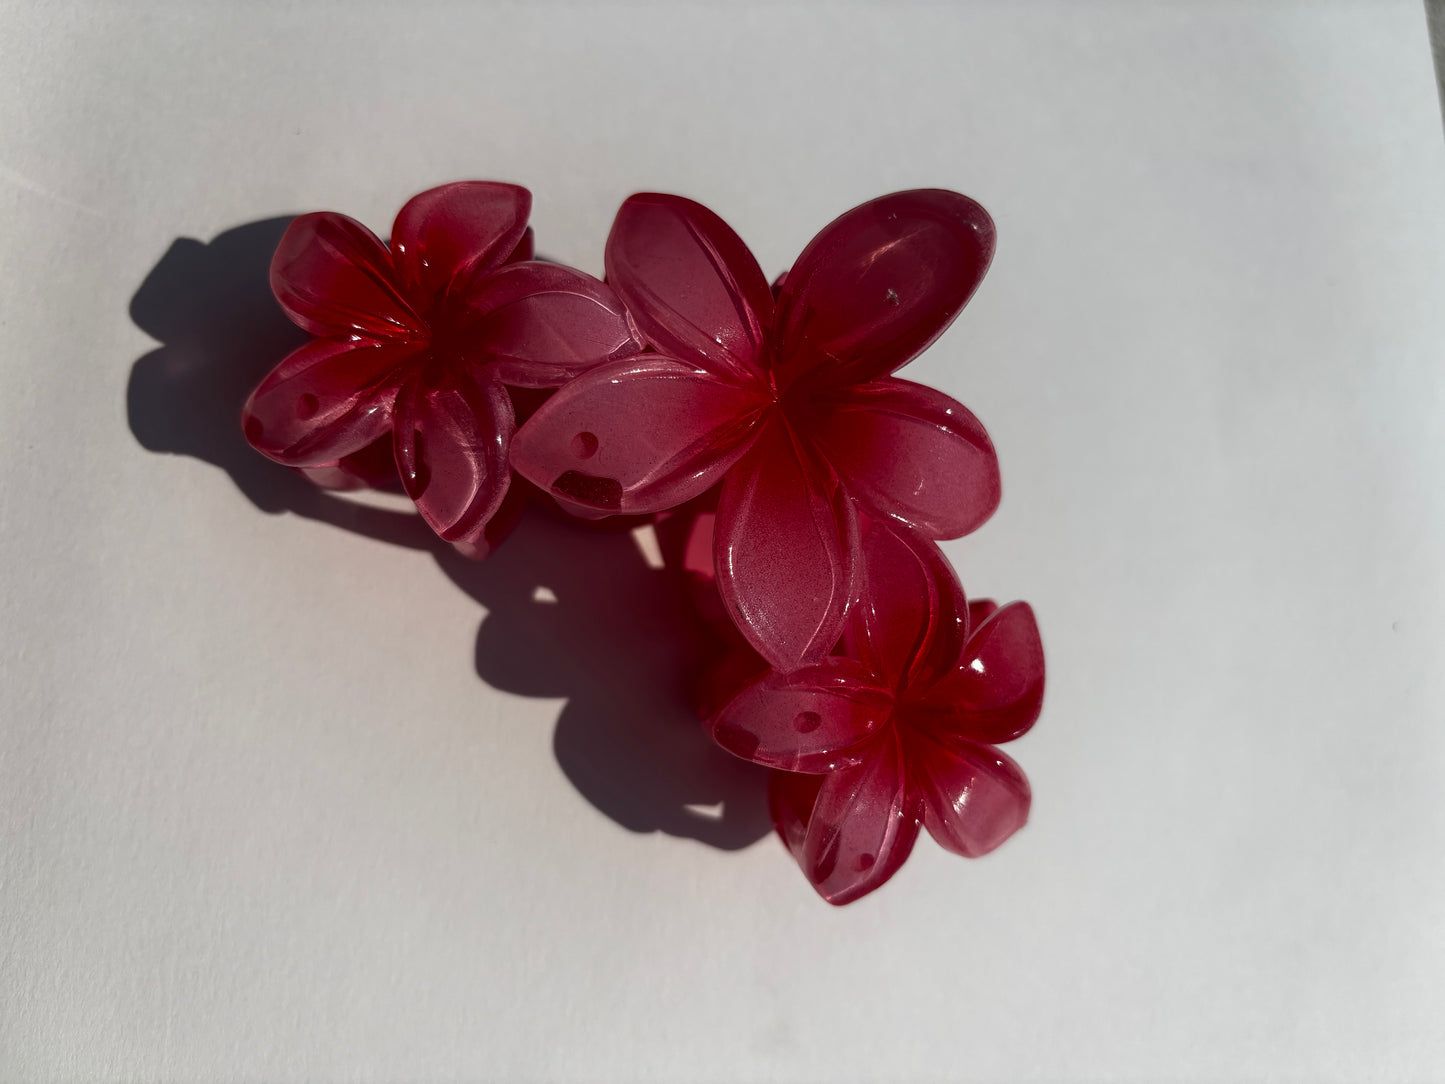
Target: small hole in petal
x=807 y=722
x=584 y=445
x=864 y=862
x=306 y=406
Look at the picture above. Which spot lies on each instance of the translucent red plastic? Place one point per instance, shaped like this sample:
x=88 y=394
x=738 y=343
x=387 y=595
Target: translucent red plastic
x=419 y=341
x=900 y=729
x=803 y=484
x=787 y=401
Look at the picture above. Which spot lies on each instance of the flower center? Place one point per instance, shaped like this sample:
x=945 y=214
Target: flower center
x=795 y=402
x=451 y=327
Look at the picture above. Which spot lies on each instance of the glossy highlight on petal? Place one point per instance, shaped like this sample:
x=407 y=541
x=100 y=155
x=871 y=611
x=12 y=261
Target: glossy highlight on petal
x=447 y=236
x=912 y=453
x=451 y=440
x=326 y=400
x=637 y=436
x=540 y=324
x=806 y=721
x=786 y=542
x=881 y=282
x=334 y=277
x=692 y=286
x=996 y=690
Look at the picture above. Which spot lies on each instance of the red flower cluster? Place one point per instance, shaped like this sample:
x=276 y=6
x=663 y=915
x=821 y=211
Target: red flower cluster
x=420 y=341
x=897 y=729
x=884 y=691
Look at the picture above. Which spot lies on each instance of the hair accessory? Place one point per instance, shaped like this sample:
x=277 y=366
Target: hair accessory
x=787 y=402
x=899 y=727
x=847 y=657
x=421 y=340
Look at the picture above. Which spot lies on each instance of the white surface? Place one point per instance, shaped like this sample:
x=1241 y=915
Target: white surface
x=263 y=820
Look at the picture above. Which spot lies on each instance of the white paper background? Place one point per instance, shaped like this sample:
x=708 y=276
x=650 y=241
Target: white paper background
x=262 y=817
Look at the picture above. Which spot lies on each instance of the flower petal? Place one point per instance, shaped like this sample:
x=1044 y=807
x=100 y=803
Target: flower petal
x=863 y=826
x=912 y=453
x=445 y=237
x=540 y=324
x=785 y=542
x=881 y=282
x=997 y=689
x=499 y=524
x=980 y=610
x=637 y=436
x=333 y=276
x=806 y=721
x=790 y=801
x=373 y=467
x=911 y=619
x=690 y=283
x=328 y=399
x=526 y=248
x=974 y=797
x=451 y=437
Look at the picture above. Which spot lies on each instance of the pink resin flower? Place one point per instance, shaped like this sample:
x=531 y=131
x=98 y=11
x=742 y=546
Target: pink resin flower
x=902 y=730
x=420 y=341
x=788 y=401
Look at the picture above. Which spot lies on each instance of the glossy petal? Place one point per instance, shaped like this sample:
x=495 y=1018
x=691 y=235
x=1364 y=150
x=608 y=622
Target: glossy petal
x=373 y=467
x=637 y=436
x=540 y=324
x=881 y=282
x=447 y=236
x=500 y=524
x=331 y=476
x=790 y=801
x=912 y=453
x=451 y=440
x=785 y=546
x=974 y=797
x=696 y=561
x=863 y=825
x=911 y=619
x=526 y=248
x=980 y=610
x=326 y=400
x=995 y=692
x=731 y=669
x=808 y=721
x=333 y=277
x=693 y=288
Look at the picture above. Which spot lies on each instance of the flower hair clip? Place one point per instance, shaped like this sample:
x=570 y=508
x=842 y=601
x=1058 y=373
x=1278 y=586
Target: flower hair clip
x=848 y=657
x=421 y=341
x=897 y=729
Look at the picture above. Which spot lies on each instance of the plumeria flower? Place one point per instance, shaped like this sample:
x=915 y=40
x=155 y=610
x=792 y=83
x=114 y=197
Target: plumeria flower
x=421 y=339
x=899 y=732
x=788 y=401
